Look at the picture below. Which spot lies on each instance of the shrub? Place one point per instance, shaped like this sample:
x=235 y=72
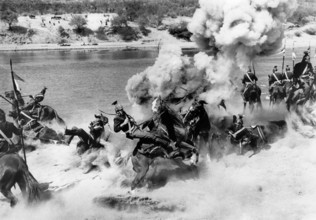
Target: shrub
x=30 y=32
x=101 y=33
x=127 y=33
x=62 y=32
x=79 y=22
x=297 y=33
x=180 y=30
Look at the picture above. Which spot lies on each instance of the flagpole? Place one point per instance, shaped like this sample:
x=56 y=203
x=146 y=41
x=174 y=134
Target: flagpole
x=293 y=56
x=18 y=110
x=283 y=57
x=254 y=71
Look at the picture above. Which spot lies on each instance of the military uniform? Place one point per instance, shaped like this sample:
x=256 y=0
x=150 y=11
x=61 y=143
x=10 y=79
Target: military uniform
x=145 y=137
x=33 y=107
x=248 y=80
x=8 y=129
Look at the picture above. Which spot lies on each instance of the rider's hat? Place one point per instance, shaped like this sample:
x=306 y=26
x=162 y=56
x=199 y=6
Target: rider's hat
x=118 y=108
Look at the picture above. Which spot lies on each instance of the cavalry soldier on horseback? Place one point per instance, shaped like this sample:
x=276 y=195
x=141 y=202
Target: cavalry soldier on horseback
x=33 y=107
x=240 y=134
x=303 y=79
x=7 y=129
x=124 y=122
x=287 y=75
x=249 y=79
x=96 y=128
x=275 y=79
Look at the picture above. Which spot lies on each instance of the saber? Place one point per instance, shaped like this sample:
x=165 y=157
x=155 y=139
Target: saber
x=6 y=99
x=106 y=112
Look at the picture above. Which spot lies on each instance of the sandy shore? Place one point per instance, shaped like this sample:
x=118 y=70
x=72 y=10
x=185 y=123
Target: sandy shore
x=304 y=41
x=100 y=46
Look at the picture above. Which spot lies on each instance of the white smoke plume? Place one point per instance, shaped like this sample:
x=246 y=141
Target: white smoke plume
x=172 y=74
x=241 y=29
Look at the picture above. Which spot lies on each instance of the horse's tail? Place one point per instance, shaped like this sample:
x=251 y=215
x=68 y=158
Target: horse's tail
x=59 y=120
x=34 y=188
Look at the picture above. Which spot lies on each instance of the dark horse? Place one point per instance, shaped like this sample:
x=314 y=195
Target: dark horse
x=14 y=170
x=277 y=94
x=46 y=113
x=252 y=96
x=198 y=122
x=169 y=123
x=32 y=129
x=87 y=141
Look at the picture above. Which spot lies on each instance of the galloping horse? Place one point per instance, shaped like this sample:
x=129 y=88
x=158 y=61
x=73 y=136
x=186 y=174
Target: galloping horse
x=34 y=130
x=199 y=124
x=87 y=140
x=171 y=124
x=252 y=96
x=46 y=113
x=277 y=94
x=14 y=170
x=288 y=81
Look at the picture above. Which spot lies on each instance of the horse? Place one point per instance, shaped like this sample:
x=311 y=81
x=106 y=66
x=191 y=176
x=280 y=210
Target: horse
x=33 y=129
x=198 y=122
x=170 y=123
x=262 y=135
x=14 y=170
x=277 y=94
x=46 y=113
x=252 y=95
x=87 y=141
x=288 y=81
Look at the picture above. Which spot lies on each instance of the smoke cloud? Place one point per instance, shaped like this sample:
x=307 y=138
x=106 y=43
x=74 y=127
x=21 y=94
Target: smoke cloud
x=241 y=29
x=171 y=75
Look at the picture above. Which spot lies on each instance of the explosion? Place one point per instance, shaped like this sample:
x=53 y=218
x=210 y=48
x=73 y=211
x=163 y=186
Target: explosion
x=239 y=30
x=172 y=74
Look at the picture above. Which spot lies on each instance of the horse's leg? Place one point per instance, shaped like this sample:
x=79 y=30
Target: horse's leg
x=140 y=166
x=22 y=184
x=245 y=104
x=6 y=183
x=251 y=106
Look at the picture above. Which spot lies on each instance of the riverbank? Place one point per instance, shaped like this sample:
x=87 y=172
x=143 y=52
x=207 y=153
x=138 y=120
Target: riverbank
x=143 y=45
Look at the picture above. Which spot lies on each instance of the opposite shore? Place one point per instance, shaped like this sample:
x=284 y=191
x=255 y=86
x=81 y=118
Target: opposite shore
x=142 y=45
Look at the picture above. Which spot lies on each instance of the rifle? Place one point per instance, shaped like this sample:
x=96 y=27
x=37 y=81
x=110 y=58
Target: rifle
x=18 y=110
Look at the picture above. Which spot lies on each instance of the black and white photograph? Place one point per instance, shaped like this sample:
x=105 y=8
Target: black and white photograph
x=157 y=109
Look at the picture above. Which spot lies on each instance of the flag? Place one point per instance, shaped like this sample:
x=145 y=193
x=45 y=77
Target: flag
x=17 y=77
x=293 y=55
x=17 y=86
